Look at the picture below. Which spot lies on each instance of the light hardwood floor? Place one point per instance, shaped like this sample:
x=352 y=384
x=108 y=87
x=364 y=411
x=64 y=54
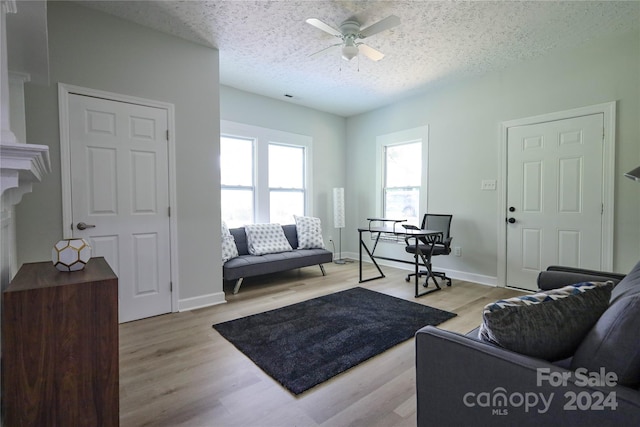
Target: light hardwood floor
x=176 y=370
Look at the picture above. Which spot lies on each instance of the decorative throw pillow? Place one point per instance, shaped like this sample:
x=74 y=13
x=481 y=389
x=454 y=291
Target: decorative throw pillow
x=266 y=239
x=229 y=249
x=309 y=230
x=548 y=325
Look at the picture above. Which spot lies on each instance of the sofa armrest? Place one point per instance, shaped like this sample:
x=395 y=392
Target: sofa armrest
x=558 y=276
x=461 y=381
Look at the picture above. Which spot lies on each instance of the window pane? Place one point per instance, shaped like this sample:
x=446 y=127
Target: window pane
x=237 y=207
x=403 y=165
x=236 y=161
x=286 y=166
x=284 y=205
x=402 y=204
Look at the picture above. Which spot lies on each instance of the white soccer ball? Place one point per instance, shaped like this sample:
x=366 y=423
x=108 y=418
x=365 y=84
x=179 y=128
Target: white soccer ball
x=71 y=254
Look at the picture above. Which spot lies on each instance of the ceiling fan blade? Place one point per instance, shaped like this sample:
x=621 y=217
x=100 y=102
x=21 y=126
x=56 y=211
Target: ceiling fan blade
x=385 y=24
x=371 y=53
x=324 y=27
x=325 y=50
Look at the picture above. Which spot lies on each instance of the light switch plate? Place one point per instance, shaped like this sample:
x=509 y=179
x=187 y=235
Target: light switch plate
x=488 y=184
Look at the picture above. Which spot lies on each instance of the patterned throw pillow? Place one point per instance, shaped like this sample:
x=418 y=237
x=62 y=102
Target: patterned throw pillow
x=229 y=249
x=309 y=232
x=548 y=325
x=266 y=239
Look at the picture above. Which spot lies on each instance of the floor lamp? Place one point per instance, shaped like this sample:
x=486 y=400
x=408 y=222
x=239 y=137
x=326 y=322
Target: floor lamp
x=338 y=218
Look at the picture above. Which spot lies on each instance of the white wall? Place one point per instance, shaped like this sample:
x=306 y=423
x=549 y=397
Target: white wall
x=327 y=130
x=464 y=142
x=98 y=51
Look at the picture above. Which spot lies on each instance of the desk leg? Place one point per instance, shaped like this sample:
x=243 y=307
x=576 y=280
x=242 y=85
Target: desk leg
x=417 y=270
x=363 y=245
x=426 y=259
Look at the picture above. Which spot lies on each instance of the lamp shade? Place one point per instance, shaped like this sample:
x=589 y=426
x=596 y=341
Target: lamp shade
x=634 y=174
x=338 y=207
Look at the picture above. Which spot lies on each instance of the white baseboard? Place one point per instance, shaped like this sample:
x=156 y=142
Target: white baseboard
x=454 y=274
x=201 y=301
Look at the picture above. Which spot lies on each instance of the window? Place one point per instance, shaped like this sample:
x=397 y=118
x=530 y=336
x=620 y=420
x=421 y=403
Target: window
x=264 y=175
x=402 y=174
x=402 y=179
x=286 y=182
x=237 y=192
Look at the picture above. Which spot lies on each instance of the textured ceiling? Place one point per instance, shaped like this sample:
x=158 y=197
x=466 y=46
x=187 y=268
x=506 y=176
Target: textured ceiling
x=265 y=45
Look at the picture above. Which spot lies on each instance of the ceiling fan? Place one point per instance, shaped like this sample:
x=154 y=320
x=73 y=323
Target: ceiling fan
x=350 y=33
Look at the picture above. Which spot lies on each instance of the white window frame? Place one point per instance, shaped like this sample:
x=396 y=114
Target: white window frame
x=262 y=138
x=421 y=134
x=251 y=187
x=304 y=175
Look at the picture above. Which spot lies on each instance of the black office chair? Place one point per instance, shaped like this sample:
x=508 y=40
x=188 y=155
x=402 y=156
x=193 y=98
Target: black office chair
x=442 y=245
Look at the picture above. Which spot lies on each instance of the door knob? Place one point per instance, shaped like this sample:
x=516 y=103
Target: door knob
x=511 y=220
x=512 y=209
x=83 y=226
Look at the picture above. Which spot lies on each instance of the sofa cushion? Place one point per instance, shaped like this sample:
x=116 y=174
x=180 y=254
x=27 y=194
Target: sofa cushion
x=548 y=325
x=229 y=249
x=309 y=230
x=250 y=265
x=266 y=239
x=612 y=344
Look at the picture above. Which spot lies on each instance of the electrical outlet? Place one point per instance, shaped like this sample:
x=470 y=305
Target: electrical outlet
x=457 y=251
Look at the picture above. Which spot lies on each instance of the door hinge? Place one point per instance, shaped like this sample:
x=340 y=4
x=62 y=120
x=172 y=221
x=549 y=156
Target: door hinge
x=167 y=134
x=170 y=286
x=169 y=211
x=602 y=209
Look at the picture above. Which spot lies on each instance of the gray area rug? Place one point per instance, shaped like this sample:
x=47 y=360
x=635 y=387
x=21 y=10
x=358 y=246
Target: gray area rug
x=305 y=344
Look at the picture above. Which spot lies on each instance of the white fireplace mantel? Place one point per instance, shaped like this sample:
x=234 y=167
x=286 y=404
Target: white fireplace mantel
x=20 y=166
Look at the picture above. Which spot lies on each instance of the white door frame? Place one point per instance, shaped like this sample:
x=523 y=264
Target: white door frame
x=64 y=90
x=608 y=110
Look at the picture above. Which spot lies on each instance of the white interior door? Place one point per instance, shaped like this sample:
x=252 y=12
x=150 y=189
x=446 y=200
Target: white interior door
x=120 y=190
x=554 y=197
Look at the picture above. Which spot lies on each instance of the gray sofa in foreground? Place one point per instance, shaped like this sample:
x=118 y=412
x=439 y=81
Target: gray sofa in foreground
x=462 y=381
x=247 y=265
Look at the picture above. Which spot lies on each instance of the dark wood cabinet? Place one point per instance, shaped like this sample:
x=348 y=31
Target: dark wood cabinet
x=60 y=347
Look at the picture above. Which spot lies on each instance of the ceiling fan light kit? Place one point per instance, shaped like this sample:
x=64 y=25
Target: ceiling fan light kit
x=349 y=50
x=350 y=33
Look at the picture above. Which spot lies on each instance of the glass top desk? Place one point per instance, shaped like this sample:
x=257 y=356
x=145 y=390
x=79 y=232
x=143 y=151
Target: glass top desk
x=394 y=227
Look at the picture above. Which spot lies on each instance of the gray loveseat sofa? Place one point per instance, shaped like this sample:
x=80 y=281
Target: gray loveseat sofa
x=247 y=265
x=462 y=381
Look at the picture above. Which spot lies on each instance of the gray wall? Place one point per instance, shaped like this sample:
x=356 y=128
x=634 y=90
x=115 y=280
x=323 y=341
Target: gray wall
x=329 y=139
x=98 y=51
x=464 y=142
